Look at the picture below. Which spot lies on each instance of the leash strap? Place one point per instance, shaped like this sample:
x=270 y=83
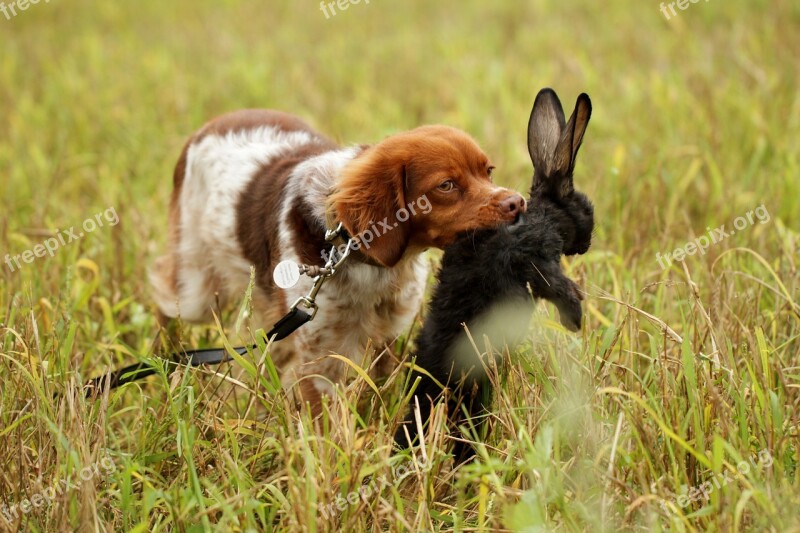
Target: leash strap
x=287 y=325
x=135 y=372
x=291 y=322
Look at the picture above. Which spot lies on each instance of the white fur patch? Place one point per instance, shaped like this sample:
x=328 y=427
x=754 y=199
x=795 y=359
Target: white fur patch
x=218 y=168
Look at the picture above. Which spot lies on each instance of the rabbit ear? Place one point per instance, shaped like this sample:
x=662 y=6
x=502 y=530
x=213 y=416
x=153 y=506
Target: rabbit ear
x=545 y=130
x=571 y=139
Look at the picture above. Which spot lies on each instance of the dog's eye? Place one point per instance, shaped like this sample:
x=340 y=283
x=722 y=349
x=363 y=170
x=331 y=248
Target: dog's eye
x=447 y=186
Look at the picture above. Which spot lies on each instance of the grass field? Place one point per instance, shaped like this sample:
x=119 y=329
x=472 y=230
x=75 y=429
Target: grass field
x=677 y=406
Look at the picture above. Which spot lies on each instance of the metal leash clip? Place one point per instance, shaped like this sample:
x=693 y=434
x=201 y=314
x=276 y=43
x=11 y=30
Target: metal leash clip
x=330 y=235
x=321 y=275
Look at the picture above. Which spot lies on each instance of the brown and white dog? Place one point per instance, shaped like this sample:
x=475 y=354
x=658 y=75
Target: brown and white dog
x=257 y=187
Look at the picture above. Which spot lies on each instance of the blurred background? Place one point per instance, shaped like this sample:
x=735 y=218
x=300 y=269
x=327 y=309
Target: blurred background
x=91 y=88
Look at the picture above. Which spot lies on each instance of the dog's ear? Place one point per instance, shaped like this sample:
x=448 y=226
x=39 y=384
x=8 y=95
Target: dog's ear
x=369 y=193
x=553 y=143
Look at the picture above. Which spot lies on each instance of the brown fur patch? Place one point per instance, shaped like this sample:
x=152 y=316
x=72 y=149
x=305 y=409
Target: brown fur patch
x=308 y=393
x=258 y=212
x=309 y=234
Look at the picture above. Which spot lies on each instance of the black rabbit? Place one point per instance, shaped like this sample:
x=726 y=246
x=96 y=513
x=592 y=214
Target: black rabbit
x=487 y=277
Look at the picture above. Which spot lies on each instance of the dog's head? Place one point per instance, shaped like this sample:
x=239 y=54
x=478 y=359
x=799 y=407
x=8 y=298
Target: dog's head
x=420 y=189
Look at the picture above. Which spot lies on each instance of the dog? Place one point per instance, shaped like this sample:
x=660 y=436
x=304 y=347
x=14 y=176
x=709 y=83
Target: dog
x=489 y=278
x=258 y=187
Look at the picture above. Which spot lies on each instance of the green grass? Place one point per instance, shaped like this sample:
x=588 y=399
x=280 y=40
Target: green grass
x=677 y=377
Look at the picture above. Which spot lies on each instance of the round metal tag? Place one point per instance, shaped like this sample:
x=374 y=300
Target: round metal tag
x=286 y=274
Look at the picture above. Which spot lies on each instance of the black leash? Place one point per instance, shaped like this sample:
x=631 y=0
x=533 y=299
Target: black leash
x=291 y=321
x=287 y=325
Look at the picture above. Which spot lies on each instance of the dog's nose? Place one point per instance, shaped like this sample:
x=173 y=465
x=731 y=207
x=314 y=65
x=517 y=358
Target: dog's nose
x=513 y=205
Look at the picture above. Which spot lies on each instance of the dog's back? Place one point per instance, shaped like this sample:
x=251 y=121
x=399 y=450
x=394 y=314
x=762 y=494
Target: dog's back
x=207 y=259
